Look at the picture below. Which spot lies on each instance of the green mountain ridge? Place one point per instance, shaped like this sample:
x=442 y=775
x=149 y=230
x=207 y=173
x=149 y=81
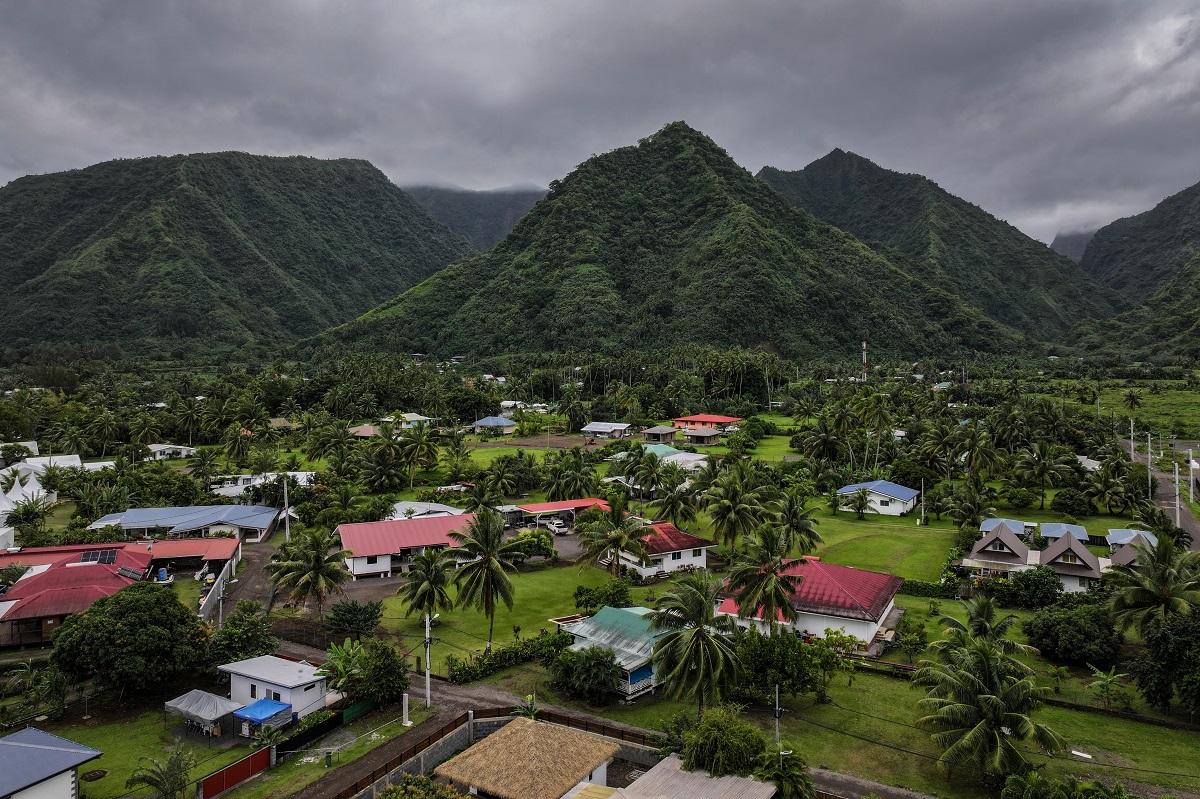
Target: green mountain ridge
x=1138 y=255
x=947 y=242
x=671 y=242
x=1072 y=245
x=481 y=217
x=216 y=250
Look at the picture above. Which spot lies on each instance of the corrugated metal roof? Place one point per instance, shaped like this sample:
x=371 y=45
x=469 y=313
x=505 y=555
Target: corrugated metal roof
x=565 y=504
x=668 y=779
x=30 y=756
x=365 y=539
x=275 y=670
x=186 y=519
x=626 y=631
x=885 y=487
x=833 y=590
x=665 y=537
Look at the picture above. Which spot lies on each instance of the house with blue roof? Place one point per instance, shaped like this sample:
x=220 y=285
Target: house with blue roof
x=246 y=522
x=494 y=424
x=1052 y=531
x=631 y=636
x=38 y=765
x=887 y=498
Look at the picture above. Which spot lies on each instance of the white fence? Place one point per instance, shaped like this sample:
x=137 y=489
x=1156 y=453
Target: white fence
x=213 y=600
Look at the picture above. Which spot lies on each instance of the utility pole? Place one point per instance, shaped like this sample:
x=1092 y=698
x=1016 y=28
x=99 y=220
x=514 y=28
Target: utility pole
x=428 y=641
x=923 y=520
x=1149 y=467
x=1131 y=448
x=1176 y=493
x=778 y=715
x=1191 y=478
x=287 y=512
x=864 y=361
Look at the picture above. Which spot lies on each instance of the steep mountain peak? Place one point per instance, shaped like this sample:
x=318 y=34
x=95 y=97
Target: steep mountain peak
x=946 y=241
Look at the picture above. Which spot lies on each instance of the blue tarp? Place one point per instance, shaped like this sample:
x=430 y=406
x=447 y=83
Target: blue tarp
x=262 y=710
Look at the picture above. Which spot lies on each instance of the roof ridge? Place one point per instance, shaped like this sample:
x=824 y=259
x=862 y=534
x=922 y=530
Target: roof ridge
x=831 y=575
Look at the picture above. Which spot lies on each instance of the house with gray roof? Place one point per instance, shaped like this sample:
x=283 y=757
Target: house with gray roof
x=38 y=765
x=248 y=522
x=1001 y=553
x=495 y=424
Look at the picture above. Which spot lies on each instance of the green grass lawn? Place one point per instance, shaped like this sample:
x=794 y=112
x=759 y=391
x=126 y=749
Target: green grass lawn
x=893 y=544
x=125 y=737
x=540 y=594
x=187 y=590
x=60 y=515
x=302 y=769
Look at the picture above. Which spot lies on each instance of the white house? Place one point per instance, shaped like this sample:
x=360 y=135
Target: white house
x=38 y=765
x=887 y=498
x=163 y=452
x=416 y=510
x=605 y=429
x=668 y=549
x=1001 y=553
x=856 y=601
x=381 y=549
x=291 y=682
x=235 y=485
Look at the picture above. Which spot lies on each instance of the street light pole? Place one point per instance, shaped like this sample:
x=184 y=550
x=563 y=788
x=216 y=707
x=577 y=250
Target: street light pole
x=428 y=641
x=1149 y=468
x=1176 y=493
x=1131 y=448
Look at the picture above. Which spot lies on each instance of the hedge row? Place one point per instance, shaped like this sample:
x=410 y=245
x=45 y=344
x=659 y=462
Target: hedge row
x=544 y=647
x=926 y=588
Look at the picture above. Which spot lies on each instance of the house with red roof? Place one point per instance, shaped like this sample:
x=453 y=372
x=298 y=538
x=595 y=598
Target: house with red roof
x=705 y=420
x=668 y=549
x=381 y=549
x=565 y=509
x=856 y=601
x=33 y=608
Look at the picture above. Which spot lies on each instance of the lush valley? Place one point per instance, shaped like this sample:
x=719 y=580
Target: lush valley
x=946 y=242
x=671 y=242
x=179 y=254
x=481 y=217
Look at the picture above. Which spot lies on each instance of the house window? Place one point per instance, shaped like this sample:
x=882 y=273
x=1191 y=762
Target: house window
x=676 y=556
x=883 y=503
x=310 y=687
x=275 y=695
x=997 y=546
x=253 y=691
x=696 y=552
x=1068 y=557
x=656 y=562
x=372 y=560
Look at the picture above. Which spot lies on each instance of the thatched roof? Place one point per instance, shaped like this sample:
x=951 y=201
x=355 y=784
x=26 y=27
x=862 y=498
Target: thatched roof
x=528 y=759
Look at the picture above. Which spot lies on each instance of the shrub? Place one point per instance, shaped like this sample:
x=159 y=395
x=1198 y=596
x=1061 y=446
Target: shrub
x=1019 y=498
x=310 y=721
x=536 y=543
x=942 y=590
x=1072 y=502
x=418 y=786
x=613 y=594
x=1082 y=634
x=722 y=743
x=1033 y=588
x=770 y=660
x=543 y=648
x=588 y=674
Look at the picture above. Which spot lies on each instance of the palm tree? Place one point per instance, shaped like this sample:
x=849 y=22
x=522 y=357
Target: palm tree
x=570 y=476
x=482 y=496
x=979 y=711
x=144 y=429
x=984 y=623
x=418 y=448
x=787 y=770
x=1163 y=581
x=648 y=475
x=203 y=465
x=426 y=590
x=1043 y=466
x=189 y=415
x=237 y=440
x=976 y=449
x=1132 y=400
x=1106 y=488
x=797 y=522
x=604 y=538
x=736 y=507
x=483 y=581
x=822 y=441
x=679 y=506
x=310 y=566
x=456 y=457
x=104 y=427
x=694 y=658
x=859 y=503
x=168 y=779
x=381 y=470
x=761 y=581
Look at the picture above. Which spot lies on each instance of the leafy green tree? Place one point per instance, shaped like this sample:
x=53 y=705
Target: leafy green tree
x=483 y=581
x=139 y=638
x=343 y=668
x=310 y=567
x=694 y=658
x=797 y=525
x=762 y=579
x=353 y=618
x=1168 y=667
x=1031 y=588
x=590 y=674
x=613 y=594
x=246 y=633
x=1082 y=634
x=384 y=673
x=168 y=778
x=1106 y=685
x=774 y=660
x=603 y=539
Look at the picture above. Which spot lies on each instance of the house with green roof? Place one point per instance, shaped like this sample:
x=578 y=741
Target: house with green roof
x=631 y=636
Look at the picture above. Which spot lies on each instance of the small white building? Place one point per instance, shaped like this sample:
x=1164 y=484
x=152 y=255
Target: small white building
x=887 y=498
x=235 y=485
x=668 y=549
x=381 y=549
x=420 y=510
x=38 y=765
x=291 y=682
x=605 y=430
x=164 y=452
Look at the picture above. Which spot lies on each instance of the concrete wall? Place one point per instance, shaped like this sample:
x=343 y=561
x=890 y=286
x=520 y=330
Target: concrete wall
x=62 y=786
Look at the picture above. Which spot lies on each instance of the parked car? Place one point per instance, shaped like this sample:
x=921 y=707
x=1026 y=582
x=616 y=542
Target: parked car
x=554 y=525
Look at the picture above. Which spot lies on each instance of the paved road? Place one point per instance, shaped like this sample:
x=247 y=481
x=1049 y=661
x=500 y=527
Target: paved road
x=252 y=582
x=1164 y=495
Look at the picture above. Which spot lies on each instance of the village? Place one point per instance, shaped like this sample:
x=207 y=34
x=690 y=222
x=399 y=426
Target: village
x=535 y=604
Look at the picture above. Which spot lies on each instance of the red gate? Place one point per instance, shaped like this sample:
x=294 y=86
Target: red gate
x=234 y=773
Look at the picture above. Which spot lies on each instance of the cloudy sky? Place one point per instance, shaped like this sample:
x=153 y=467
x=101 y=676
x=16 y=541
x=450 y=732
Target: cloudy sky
x=1055 y=114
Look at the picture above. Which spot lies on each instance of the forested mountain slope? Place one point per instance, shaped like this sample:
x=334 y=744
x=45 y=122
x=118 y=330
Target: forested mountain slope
x=481 y=217
x=1072 y=245
x=664 y=243
x=947 y=242
x=1138 y=255
x=174 y=254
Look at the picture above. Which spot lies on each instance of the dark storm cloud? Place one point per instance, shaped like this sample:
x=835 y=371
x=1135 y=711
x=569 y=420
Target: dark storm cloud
x=1054 y=115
